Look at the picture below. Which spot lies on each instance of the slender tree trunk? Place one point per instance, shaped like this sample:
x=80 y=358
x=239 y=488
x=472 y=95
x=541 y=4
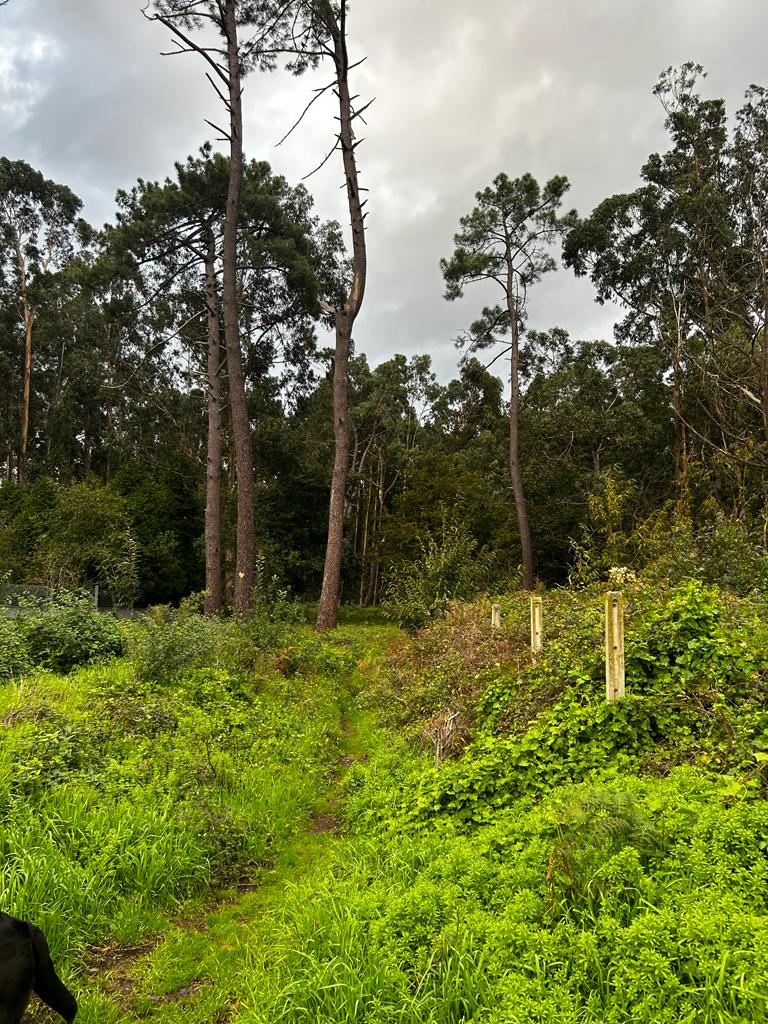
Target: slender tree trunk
x=364 y=550
x=378 y=516
x=213 y=464
x=27 y=320
x=681 y=438
x=521 y=508
x=87 y=449
x=241 y=428
x=345 y=318
x=764 y=367
x=329 y=599
x=27 y=390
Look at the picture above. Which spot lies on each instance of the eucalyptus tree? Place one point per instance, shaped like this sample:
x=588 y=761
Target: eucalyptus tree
x=506 y=240
x=671 y=254
x=749 y=155
x=39 y=230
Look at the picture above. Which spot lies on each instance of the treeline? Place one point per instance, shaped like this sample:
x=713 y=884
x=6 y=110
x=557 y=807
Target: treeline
x=111 y=348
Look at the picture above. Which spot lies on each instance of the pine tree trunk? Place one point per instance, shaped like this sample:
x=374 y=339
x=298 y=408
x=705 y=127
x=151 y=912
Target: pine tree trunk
x=213 y=588
x=27 y=391
x=521 y=508
x=764 y=367
x=329 y=598
x=27 y=320
x=241 y=428
x=345 y=318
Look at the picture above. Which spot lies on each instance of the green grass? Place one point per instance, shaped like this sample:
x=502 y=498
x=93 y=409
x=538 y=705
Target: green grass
x=577 y=865
x=119 y=798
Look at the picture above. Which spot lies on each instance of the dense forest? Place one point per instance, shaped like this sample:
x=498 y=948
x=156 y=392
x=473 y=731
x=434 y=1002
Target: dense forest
x=112 y=353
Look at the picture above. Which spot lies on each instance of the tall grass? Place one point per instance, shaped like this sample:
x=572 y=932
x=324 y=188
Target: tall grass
x=442 y=926
x=120 y=796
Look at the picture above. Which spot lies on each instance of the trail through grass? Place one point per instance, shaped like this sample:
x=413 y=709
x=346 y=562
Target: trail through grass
x=207 y=962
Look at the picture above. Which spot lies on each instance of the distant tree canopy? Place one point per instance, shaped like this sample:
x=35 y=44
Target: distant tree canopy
x=105 y=362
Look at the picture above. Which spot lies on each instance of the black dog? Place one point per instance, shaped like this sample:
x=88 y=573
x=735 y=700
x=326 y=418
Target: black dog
x=26 y=967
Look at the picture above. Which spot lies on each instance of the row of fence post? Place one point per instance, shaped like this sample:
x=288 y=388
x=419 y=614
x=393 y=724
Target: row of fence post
x=614 y=638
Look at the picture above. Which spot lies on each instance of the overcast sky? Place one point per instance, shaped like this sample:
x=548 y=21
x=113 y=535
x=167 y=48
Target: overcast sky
x=464 y=89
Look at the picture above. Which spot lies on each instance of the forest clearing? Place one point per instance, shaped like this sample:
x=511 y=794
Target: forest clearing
x=383 y=512
x=243 y=821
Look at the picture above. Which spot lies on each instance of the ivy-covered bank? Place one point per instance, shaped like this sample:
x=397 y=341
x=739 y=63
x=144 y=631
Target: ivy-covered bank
x=575 y=861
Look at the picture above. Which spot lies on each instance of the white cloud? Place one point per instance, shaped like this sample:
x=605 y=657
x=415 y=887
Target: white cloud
x=24 y=76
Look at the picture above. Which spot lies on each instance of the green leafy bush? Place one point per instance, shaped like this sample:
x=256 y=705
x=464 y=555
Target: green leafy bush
x=162 y=650
x=450 y=567
x=14 y=653
x=315 y=654
x=69 y=632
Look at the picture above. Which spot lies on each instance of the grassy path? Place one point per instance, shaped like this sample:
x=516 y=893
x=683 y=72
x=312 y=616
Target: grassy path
x=205 y=966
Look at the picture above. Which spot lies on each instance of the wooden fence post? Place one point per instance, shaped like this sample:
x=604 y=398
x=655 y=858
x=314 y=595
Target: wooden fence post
x=495 y=616
x=536 y=626
x=614 y=645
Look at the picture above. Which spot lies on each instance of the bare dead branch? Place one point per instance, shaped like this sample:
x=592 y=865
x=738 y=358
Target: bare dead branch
x=202 y=50
x=318 y=93
x=359 y=113
x=325 y=159
x=219 y=93
x=225 y=136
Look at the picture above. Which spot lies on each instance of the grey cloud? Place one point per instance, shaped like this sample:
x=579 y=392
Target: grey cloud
x=463 y=90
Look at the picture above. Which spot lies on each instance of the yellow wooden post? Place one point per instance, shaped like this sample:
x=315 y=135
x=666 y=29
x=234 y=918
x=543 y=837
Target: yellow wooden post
x=536 y=626
x=614 y=645
x=495 y=616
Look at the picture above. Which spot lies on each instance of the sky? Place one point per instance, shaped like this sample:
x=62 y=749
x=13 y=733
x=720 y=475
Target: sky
x=463 y=89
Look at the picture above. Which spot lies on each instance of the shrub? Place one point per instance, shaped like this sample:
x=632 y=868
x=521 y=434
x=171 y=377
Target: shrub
x=14 y=653
x=449 y=567
x=162 y=651
x=88 y=539
x=70 y=632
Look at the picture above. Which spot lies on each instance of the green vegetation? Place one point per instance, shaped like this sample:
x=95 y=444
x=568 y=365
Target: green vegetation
x=122 y=794
x=408 y=821
x=62 y=634
x=627 y=444
x=571 y=861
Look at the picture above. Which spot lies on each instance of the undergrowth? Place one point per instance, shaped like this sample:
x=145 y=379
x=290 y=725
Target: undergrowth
x=133 y=784
x=577 y=861
x=570 y=862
